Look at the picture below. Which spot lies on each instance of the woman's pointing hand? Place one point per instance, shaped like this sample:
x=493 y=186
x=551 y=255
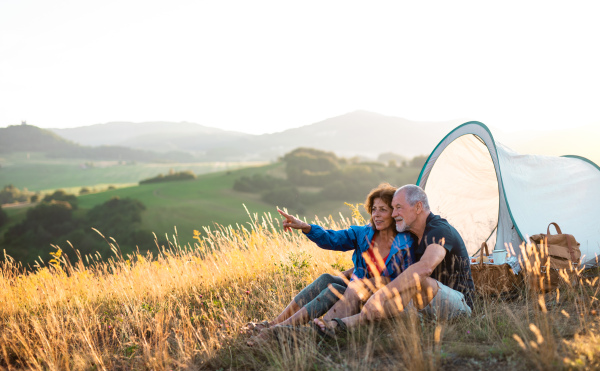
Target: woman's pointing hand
x=291 y=222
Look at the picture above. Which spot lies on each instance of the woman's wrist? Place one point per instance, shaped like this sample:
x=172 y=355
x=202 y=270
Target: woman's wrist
x=306 y=228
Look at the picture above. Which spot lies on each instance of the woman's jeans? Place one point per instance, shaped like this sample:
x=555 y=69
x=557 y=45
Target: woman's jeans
x=318 y=297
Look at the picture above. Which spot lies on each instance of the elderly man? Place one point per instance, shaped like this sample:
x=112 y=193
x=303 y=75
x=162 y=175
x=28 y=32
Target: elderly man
x=439 y=283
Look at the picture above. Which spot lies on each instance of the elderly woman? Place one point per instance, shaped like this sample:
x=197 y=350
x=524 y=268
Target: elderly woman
x=380 y=255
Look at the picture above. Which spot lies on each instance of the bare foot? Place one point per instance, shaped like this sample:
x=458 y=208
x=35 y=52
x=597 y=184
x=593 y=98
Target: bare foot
x=325 y=326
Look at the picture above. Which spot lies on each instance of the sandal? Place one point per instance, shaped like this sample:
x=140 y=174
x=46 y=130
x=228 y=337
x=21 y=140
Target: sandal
x=332 y=332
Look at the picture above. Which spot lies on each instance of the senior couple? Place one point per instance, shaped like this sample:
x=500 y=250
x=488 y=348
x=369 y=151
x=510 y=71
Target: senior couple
x=406 y=257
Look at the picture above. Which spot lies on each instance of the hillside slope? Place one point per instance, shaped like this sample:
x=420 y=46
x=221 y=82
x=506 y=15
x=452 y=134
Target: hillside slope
x=357 y=133
x=29 y=138
x=157 y=136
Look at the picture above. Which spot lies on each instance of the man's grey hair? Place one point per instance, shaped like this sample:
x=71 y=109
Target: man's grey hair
x=413 y=195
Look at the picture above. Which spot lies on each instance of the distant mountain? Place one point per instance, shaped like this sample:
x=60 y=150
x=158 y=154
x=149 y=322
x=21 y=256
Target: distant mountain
x=358 y=133
x=363 y=133
x=157 y=135
x=28 y=138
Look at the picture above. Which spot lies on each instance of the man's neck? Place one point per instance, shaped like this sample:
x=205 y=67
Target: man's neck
x=419 y=228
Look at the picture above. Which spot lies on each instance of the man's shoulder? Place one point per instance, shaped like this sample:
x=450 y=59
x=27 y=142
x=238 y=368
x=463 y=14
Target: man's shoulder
x=435 y=220
x=436 y=224
x=438 y=228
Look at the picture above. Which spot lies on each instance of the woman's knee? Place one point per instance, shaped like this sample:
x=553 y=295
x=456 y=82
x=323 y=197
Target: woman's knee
x=314 y=289
x=326 y=277
x=334 y=290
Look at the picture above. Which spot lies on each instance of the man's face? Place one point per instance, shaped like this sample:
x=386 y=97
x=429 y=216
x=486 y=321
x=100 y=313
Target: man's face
x=404 y=214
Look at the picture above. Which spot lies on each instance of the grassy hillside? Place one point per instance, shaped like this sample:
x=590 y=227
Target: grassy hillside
x=187 y=205
x=33 y=139
x=186 y=309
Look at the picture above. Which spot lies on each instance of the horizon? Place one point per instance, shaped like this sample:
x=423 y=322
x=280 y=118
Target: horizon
x=257 y=68
x=495 y=129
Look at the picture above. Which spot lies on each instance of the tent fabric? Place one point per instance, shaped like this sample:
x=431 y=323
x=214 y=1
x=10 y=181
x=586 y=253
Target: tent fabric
x=490 y=193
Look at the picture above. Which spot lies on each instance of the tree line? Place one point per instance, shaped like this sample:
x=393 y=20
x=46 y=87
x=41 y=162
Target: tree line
x=329 y=177
x=10 y=194
x=56 y=220
x=171 y=177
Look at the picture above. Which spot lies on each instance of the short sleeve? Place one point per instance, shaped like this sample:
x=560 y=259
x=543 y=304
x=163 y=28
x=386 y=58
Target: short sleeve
x=441 y=235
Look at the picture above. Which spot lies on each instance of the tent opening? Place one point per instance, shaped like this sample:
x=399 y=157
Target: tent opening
x=462 y=187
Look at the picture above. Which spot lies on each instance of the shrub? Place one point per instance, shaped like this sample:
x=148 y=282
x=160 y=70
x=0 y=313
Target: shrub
x=304 y=161
x=54 y=223
x=43 y=225
x=61 y=195
x=172 y=176
x=10 y=194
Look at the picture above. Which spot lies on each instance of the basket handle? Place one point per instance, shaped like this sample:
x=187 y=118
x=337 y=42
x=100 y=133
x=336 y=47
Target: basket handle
x=483 y=246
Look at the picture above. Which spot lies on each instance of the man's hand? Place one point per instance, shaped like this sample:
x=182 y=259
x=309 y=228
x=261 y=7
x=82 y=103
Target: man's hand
x=292 y=222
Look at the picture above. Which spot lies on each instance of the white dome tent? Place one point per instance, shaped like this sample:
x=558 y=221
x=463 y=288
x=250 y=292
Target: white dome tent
x=490 y=193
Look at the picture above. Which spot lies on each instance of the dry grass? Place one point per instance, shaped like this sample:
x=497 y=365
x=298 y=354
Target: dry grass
x=185 y=308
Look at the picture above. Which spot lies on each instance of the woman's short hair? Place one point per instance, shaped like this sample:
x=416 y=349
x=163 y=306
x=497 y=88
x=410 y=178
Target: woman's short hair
x=385 y=191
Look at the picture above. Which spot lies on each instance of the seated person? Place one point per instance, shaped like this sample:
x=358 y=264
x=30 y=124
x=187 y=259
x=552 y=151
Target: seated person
x=380 y=254
x=439 y=283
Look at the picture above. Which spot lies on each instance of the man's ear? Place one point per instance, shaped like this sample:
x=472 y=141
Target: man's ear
x=419 y=207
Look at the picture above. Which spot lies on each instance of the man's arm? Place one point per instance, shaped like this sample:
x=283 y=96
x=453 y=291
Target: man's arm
x=398 y=293
x=433 y=256
x=403 y=288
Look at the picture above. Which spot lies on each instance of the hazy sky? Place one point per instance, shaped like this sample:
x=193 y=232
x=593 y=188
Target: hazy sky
x=257 y=66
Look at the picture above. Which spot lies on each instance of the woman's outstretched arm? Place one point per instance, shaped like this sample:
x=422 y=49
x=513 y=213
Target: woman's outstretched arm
x=291 y=222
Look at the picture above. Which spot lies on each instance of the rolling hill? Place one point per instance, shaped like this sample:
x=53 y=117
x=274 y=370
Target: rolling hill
x=156 y=136
x=376 y=134
x=29 y=138
x=358 y=133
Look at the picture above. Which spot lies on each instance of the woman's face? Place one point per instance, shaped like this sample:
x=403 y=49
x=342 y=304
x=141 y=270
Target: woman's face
x=381 y=215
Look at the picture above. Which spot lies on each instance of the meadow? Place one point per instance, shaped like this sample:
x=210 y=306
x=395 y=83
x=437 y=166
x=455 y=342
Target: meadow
x=184 y=206
x=186 y=309
x=36 y=172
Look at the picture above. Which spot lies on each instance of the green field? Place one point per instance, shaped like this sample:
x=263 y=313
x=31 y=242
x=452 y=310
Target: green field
x=193 y=204
x=210 y=199
x=182 y=205
x=189 y=205
x=37 y=173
